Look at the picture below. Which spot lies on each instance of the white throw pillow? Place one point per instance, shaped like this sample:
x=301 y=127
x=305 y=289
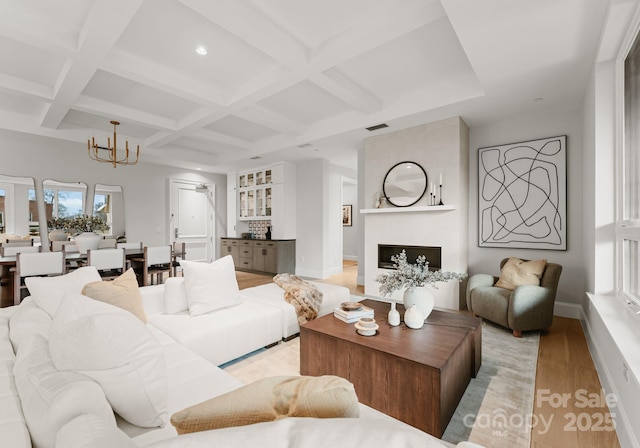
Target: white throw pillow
x=175 y=295
x=50 y=398
x=28 y=321
x=49 y=291
x=210 y=286
x=91 y=431
x=114 y=348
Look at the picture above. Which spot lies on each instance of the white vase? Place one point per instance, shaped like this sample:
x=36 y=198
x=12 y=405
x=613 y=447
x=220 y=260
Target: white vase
x=394 y=316
x=422 y=296
x=413 y=317
x=87 y=240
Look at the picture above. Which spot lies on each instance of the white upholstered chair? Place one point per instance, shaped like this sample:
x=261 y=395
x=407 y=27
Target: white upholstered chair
x=156 y=261
x=35 y=264
x=9 y=251
x=110 y=263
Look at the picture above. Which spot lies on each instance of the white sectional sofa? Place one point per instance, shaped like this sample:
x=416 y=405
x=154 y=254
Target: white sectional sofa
x=69 y=409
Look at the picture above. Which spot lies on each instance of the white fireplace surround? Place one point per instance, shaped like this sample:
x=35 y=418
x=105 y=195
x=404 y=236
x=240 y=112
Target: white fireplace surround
x=441 y=148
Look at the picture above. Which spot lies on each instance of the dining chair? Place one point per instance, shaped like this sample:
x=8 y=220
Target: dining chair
x=110 y=263
x=35 y=264
x=107 y=243
x=179 y=253
x=17 y=242
x=9 y=251
x=156 y=261
x=58 y=246
x=130 y=245
x=70 y=248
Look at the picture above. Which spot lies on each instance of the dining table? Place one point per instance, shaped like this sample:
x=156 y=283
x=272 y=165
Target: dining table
x=74 y=259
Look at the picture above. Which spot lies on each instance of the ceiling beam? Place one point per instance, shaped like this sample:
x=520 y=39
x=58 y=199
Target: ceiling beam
x=104 y=25
x=343 y=88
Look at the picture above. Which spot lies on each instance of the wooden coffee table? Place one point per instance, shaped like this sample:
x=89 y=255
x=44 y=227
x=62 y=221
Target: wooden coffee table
x=417 y=376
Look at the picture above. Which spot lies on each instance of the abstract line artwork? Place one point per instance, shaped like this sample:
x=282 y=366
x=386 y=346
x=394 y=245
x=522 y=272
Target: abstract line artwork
x=522 y=195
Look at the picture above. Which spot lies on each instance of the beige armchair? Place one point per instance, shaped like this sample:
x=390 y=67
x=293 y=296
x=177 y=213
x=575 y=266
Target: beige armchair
x=528 y=307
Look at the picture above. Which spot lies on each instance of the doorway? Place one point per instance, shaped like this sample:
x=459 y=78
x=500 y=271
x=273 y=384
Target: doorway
x=192 y=218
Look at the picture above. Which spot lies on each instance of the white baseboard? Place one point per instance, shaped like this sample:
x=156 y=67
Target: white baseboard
x=570 y=310
x=350 y=257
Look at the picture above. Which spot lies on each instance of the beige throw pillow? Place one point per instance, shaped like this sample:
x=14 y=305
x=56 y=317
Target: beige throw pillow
x=271 y=399
x=122 y=292
x=516 y=272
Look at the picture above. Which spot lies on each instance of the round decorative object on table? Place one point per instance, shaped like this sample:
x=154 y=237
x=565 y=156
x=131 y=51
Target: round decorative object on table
x=87 y=240
x=423 y=297
x=367 y=326
x=394 y=316
x=351 y=306
x=413 y=317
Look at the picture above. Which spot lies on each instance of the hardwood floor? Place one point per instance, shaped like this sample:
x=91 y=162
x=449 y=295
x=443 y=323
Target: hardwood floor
x=569 y=407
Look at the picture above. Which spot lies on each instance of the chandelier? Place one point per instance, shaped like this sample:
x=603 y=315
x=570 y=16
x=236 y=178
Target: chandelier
x=111 y=154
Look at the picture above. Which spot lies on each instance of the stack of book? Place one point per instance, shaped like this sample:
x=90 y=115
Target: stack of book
x=352 y=316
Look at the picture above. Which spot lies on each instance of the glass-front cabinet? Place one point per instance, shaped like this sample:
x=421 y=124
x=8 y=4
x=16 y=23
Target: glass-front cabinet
x=255 y=194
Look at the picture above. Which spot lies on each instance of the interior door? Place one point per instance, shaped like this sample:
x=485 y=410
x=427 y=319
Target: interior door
x=192 y=218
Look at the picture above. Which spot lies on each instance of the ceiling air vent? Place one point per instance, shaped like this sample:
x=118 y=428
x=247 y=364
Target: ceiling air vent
x=256 y=157
x=378 y=126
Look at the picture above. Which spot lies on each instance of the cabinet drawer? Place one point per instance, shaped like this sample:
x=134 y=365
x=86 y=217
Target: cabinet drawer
x=246 y=252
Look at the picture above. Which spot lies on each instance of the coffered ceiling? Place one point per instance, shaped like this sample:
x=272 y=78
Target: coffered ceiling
x=282 y=79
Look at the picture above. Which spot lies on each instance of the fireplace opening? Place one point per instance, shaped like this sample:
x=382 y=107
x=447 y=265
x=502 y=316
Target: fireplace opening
x=432 y=253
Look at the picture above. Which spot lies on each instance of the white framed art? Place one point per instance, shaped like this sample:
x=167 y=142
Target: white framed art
x=522 y=194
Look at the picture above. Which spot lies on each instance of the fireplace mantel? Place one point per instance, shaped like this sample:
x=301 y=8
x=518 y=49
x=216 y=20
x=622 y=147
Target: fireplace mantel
x=424 y=208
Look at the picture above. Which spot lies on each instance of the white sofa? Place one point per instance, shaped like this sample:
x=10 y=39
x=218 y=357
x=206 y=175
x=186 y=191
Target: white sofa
x=70 y=417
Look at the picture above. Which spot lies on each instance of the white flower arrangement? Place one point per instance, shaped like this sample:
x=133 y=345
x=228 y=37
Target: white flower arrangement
x=407 y=275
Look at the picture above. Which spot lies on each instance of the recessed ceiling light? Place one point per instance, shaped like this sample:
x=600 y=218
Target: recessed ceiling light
x=201 y=50
x=198 y=168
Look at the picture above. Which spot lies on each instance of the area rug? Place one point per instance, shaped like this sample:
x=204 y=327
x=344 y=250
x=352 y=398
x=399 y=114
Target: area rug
x=496 y=408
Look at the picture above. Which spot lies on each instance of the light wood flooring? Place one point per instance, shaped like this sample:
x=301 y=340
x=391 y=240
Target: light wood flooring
x=565 y=369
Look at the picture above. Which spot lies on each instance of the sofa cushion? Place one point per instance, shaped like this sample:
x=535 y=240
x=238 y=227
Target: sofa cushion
x=210 y=286
x=516 y=272
x=49 y=291
x=51 y=398
x=91 y=431
x=112 y=346
x=28 y=320
x=175 y=296
x=121 y=291
x=271 y=399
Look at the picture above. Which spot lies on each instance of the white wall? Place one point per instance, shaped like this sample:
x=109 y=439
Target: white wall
x=319 y=218
x=540 y=124
x=350 y=233
x=145 y=186
x=439 y=147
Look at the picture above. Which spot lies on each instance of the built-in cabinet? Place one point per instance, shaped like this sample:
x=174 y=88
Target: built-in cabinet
x=267 y=256
x=255 y=194
x=263 y=194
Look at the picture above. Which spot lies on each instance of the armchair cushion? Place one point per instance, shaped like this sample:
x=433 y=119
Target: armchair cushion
x=516 y=272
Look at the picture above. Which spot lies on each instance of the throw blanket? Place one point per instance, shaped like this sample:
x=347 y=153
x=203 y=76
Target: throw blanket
x=304 y=296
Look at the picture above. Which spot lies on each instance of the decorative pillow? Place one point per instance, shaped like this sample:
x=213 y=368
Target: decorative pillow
x=111 y=346
x=49 y=291
x=28 y=321
x=91 y=431
x=272 y=399
x=51 y=398
x=516 y=272
x=122 y=291
x=210 y=286
x=175 y=295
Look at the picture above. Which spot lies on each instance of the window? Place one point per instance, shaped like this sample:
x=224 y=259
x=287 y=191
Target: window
x=63 y=203
x=628 y=219
x=102 y=208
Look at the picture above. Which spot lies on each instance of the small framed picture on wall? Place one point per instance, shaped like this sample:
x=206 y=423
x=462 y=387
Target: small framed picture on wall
x=346 y=215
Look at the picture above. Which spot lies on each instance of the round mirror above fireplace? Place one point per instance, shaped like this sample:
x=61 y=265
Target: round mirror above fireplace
x=405 y=184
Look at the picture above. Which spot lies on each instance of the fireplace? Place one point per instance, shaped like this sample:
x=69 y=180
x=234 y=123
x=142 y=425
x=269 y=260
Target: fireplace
x=432 y=253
